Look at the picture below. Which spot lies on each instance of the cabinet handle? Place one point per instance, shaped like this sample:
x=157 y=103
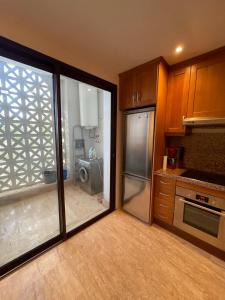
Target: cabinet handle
x=163 y=194
x=162 y=217
x=163 y=182
x=138 y=97
x=162 y=205
x=133 y=99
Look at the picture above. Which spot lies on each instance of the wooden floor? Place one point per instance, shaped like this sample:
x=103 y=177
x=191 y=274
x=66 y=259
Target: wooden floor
x=119 y=258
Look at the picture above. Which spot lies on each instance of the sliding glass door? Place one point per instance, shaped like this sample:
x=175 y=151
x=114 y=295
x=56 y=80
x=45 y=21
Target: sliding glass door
x=57 y=152
x=86 y=136
x=28 y=181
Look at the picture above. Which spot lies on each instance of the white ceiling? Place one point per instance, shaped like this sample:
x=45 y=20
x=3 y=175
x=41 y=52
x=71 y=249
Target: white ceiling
x=120 y=34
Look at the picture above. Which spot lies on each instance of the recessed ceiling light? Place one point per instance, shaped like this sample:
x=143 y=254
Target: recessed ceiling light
x=179 y=49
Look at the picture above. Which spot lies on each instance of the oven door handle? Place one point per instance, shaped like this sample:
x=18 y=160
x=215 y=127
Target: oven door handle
x=222 y=214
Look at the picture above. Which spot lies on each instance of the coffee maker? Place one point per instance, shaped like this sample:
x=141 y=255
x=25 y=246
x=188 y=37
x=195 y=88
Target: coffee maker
x=175 y=157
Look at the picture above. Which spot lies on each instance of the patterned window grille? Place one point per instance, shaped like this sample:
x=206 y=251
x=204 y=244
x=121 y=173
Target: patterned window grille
x=27 y=145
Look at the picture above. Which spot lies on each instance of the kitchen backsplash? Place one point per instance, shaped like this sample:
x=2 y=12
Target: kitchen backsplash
x=204 y=151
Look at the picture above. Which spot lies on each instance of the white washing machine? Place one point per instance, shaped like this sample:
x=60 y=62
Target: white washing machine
x=90 y=175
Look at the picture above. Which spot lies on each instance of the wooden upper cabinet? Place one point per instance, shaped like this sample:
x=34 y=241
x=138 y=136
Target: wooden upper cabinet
x=126 y=90
x=177 y=101
x=207 y=88
x=146 y=84
x=138 y=86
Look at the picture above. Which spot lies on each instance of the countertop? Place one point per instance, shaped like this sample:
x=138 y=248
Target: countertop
x=176 y=174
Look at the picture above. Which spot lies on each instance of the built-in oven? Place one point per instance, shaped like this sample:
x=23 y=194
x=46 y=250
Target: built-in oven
x=200 y=215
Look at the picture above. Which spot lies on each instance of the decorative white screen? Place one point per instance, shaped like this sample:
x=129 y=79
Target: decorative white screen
x=26 y=125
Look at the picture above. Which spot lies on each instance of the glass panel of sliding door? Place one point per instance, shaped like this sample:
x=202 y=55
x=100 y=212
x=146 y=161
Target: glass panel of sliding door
x=28 y=183
x=86 y=133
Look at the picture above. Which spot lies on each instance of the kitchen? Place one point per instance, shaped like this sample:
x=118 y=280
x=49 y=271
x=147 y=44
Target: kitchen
x=112 y=150
x=185 y=170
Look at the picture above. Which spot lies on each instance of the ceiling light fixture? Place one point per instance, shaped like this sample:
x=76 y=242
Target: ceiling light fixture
x=179 y=49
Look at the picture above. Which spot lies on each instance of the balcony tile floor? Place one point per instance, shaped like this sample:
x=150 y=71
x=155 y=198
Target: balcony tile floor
x=27 y=223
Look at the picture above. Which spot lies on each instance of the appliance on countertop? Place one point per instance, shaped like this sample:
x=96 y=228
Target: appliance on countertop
x=172 y=157
x=175 y=157
x=205 y=176
x=90 y=175
x=200 y=215
x=137 y=170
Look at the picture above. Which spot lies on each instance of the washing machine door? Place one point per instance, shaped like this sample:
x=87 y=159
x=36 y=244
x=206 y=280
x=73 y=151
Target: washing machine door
x=83 y=174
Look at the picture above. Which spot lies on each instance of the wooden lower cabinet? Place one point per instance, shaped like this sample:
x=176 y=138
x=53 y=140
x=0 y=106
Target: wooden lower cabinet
x=164 y=194
x=163 y=210
x=164 y=186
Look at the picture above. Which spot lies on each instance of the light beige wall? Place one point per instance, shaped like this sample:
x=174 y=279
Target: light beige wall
x=42 y=42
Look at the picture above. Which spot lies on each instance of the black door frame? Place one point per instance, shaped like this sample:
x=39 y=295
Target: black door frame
x=20 y=53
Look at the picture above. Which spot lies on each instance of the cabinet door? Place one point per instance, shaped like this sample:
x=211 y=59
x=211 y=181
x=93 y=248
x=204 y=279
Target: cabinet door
x=146 y=85
x=177 y=101
x=207 y=89
x=127 y=94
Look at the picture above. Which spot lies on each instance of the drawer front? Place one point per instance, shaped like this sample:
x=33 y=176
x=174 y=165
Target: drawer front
x=167 y=203
x=164 y=187
x=163 y=211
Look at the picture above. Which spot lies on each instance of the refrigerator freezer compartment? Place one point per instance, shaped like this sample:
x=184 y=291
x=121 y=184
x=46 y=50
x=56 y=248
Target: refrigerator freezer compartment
x=136 y=197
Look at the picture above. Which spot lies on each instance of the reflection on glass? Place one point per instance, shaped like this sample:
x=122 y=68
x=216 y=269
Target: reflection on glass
x=203 y=220
x=28 y=188
x=86 y=122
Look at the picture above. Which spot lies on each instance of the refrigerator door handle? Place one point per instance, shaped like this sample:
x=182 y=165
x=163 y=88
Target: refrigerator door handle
x=131 y=175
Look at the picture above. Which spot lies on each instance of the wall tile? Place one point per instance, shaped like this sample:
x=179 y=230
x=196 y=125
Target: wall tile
x=203 y=151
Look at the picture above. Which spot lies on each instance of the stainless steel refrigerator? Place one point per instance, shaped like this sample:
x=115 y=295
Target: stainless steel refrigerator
x=137 y=169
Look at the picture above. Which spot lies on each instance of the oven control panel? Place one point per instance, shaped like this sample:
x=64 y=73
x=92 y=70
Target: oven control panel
x=202 y=198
